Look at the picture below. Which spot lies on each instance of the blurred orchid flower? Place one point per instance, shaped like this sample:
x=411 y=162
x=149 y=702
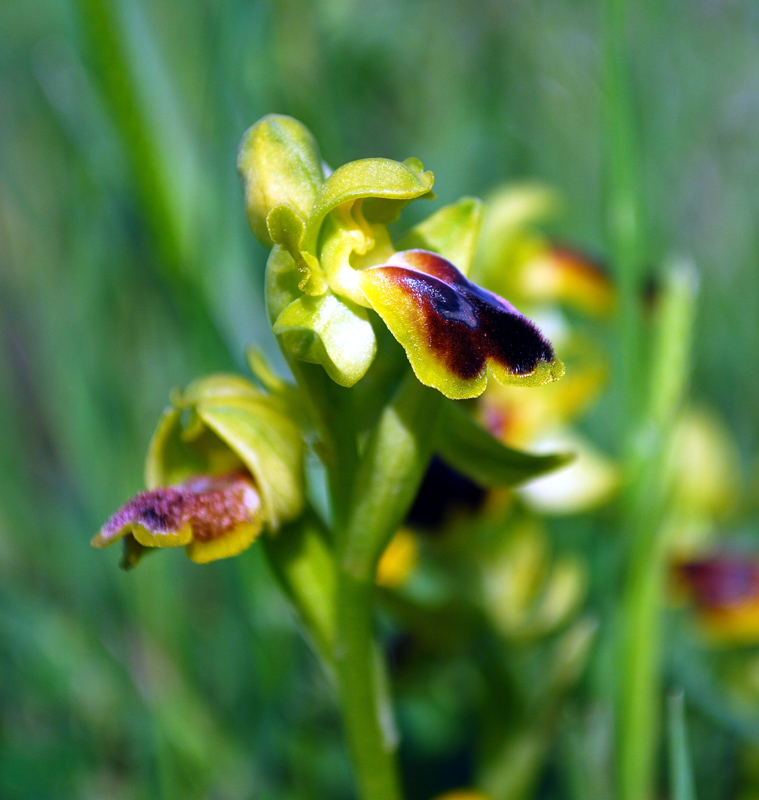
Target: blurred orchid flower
x=724 y=590
x=399 y=560
x=517 y=260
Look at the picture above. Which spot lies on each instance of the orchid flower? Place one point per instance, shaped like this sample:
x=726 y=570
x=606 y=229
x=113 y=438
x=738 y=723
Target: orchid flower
x=224 y=463
x=333 y=260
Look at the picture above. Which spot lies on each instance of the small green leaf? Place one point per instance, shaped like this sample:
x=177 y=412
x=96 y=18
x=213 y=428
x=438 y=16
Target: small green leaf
x=279 y=164
x=470 y=449
x=330 y=331
x=369 y=177
x=262 y=370
x=302 y=561
x=451 y=232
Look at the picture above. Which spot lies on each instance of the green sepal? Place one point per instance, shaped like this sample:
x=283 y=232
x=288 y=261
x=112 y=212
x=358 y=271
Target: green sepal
x=224 y=423
x=279 y=163
x=270 y=446
x=287 y=229
x=467 y=447
x=395 y=181
x=304 y=566
x=330 y=331
x=172 y=459
x=452 y=232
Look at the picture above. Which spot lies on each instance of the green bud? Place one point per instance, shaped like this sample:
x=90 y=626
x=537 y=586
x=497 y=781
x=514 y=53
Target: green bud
x=280 y=165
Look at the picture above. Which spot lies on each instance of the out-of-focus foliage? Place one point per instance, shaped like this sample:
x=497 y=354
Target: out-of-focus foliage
x=127 y=269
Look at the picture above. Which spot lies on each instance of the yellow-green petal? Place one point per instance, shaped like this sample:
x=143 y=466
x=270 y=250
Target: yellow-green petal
x=369 y=177
x=330 y=331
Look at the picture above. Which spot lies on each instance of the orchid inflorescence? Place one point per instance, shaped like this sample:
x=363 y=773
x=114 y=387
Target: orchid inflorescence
x=383 y=335
x=332 y=275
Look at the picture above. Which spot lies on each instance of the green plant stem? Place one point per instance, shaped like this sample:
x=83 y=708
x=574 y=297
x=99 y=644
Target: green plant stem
x=639 y=689
x=365 y=705
x=389 y=474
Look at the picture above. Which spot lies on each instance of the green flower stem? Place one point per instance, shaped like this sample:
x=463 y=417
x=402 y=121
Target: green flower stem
x=390 y=472
x=366 y=710
x=639 y=689
x=331 y=410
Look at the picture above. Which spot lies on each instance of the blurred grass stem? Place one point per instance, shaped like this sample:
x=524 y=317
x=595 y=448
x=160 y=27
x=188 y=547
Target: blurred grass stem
x=162 y=158
x=680 y=772
x=624 y=226
x=645 y=515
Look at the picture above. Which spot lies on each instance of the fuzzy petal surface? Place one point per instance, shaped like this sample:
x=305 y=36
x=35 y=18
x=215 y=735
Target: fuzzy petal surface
x=213 y=517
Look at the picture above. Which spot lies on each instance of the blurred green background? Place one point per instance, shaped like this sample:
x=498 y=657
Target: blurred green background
x=127 y=268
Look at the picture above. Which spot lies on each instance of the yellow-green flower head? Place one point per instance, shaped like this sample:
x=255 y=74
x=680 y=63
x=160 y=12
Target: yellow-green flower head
x=225 y=462
x=333 y=261
x=527 y=593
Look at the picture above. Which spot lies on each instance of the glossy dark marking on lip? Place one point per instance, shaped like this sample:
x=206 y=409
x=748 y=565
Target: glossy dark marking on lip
x=464 y=324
